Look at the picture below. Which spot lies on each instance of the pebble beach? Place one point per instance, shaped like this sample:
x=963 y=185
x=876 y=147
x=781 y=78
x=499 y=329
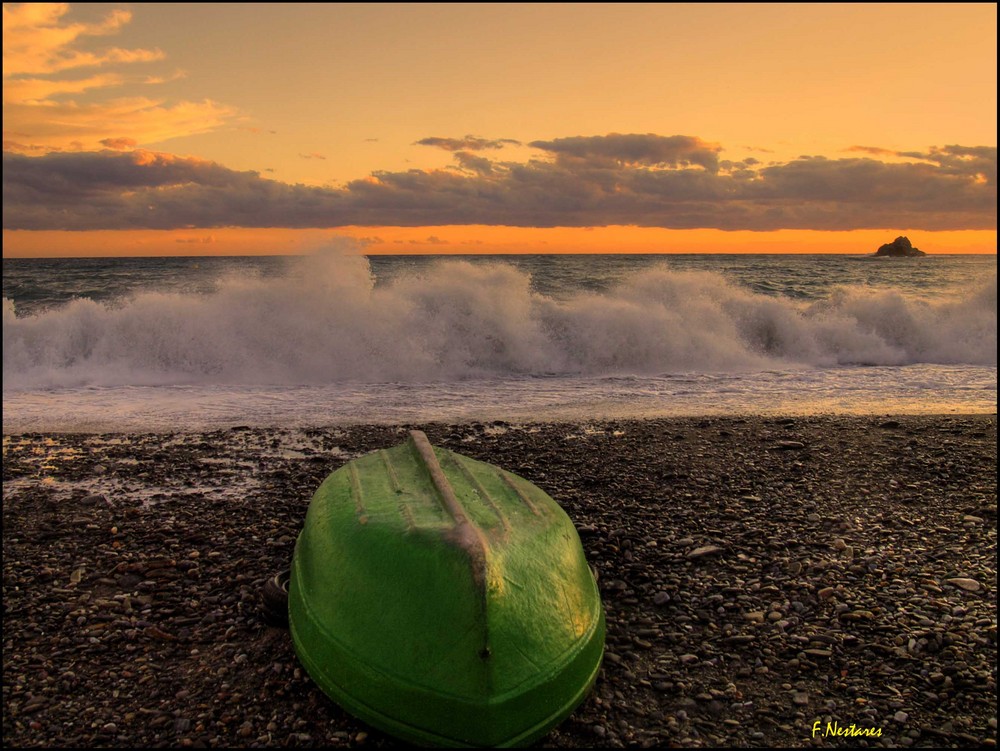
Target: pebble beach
x=767 y=581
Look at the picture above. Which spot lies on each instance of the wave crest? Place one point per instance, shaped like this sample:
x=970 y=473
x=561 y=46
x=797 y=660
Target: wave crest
x=327 y=322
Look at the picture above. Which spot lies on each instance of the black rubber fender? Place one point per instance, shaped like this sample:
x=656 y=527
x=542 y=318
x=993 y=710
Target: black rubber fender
x=274 y=600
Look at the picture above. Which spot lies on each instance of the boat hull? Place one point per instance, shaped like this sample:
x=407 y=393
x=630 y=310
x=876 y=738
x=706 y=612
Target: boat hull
x=443 y=600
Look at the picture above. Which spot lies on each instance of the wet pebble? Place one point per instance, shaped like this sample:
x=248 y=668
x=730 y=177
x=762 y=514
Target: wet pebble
x=745 y=588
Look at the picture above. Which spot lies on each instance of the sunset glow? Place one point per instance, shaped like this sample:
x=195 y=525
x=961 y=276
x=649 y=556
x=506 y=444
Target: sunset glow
x=470 y=239
x=168 y=129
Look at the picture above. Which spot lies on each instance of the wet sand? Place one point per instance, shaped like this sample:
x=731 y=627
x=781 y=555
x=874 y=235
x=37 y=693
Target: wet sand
x=759 y=575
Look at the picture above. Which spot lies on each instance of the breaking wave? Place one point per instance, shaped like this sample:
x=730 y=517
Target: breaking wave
x=326 y=322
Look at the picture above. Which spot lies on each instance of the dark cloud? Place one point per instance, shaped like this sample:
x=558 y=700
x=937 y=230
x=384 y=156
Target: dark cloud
x=473 y=163
x=673 y=182
x=24 y=148
x=469 y=143
x=744 y=166
x=139 y=189
x=635 y=149
x=119 y=144
x=873 y=150
x=979 y=162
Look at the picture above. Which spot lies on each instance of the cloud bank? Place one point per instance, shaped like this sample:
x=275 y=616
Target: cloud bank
x=675 y=182
x=468 y=143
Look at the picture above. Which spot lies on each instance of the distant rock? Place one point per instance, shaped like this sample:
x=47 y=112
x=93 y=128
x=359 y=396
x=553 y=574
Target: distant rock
x=899 y=247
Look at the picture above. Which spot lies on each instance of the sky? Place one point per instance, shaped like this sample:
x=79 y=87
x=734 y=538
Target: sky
x=180 y=129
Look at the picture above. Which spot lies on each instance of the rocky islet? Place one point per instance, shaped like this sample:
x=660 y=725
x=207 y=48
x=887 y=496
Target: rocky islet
x=900 y=247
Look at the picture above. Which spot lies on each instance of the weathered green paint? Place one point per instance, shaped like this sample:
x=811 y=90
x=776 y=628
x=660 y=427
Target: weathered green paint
x=444 y=600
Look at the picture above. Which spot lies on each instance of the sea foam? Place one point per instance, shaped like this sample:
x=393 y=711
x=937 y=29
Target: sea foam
x=327 y=322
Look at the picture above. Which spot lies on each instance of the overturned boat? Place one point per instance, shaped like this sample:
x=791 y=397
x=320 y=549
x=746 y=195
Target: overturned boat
x=443 y=600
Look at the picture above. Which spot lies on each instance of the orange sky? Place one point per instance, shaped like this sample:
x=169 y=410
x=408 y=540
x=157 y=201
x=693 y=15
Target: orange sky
x=189 y=129
x=476 y=239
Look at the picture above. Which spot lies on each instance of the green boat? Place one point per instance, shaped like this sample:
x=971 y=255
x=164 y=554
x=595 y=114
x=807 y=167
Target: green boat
x=443 y=600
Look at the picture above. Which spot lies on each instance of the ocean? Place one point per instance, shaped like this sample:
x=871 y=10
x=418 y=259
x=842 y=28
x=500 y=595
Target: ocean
x=185 y=344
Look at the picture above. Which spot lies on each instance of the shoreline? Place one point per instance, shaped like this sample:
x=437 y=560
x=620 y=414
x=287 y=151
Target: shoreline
x=850 y=579
x=522 y=418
